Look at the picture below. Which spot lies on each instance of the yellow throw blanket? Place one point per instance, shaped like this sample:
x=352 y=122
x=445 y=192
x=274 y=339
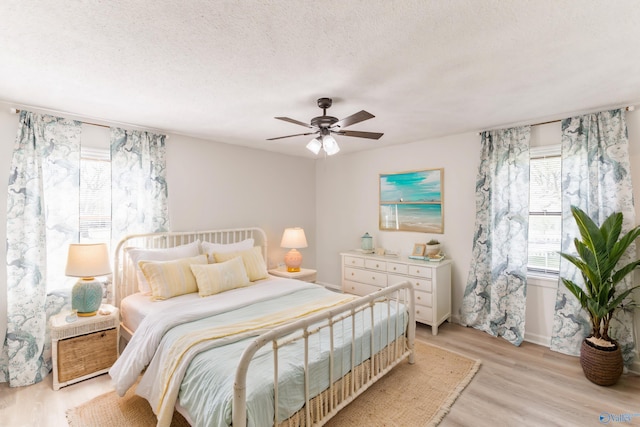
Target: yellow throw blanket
x=182 y=345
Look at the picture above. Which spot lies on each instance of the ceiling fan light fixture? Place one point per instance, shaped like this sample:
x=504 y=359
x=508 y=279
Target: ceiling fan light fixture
x=314 y=145
x=330 y=145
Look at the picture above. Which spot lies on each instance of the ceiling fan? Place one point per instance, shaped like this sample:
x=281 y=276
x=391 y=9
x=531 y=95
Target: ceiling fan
x=325 y=125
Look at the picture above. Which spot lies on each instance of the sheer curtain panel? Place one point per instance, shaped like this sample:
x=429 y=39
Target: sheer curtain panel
x=596 y=177
x=494 y=298
x=39 y=223
x=139 y=187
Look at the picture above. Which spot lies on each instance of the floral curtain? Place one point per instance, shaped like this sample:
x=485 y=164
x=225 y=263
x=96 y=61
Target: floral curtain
x=595 y=177
x=45 y=156
x=139 y=187
x=494 y=298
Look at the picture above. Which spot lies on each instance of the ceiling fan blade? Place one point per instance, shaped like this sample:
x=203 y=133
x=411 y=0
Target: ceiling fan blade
x=353 y=119
x=295 y=122
x=289 y=136
x=359 y=134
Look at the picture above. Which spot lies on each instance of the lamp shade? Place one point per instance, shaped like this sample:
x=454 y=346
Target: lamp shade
x=88 y=260
x=293 y=238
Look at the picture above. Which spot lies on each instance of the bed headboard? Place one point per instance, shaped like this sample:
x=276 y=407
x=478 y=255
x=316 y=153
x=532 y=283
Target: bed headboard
x=124 y=273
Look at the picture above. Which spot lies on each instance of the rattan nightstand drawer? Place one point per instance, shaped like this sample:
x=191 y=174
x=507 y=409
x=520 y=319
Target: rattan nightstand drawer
x=86 y=354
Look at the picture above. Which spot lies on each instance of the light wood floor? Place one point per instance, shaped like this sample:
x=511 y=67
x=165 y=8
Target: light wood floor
x=515 y=386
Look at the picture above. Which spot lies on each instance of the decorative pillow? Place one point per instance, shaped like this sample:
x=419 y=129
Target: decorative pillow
x=220 y=277
x=252 y=259
x=211 y=248
x=164 y=254
x=171 y=278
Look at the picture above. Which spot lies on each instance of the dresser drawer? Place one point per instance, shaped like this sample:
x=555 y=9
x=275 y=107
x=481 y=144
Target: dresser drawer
x=422 y=285
x=423 y=299
x=365 y=276
x=358 y=288
x=424 y=314
x=416 y=270
x=374 y=264
x=354 y=261
x=394 y=267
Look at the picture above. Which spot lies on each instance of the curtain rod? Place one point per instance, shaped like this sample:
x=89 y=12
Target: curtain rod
x=628 y=108
x=17 y=111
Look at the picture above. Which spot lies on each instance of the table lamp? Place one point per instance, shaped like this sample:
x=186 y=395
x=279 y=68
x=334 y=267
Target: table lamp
x=87 y=261
x=293 y=238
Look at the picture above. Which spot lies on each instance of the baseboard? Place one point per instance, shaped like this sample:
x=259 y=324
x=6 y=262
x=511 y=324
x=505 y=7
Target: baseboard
x=542 y=340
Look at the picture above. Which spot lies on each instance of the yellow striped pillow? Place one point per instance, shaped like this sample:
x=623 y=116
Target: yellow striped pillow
x=252 y=259
x=220 y=277
x=171 y=278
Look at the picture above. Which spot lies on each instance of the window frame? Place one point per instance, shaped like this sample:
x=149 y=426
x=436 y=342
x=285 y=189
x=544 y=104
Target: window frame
x=542 y=152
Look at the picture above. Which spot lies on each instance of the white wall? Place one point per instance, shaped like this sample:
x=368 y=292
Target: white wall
x=211 y=185
x=347 y=202
x=347 y=207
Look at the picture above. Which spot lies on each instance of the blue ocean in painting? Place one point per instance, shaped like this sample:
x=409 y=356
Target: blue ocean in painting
x=422 y=186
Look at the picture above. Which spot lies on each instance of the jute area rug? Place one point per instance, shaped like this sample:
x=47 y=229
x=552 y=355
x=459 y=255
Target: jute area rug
x=410 y=395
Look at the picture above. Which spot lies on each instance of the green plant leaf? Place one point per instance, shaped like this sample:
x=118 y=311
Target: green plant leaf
x=599 y=251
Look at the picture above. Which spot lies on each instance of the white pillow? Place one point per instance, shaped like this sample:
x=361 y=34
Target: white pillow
x=164 y=254
x=220 y=277
x=211 y=248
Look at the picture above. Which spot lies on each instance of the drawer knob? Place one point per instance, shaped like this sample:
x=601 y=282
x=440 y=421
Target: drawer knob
x=418 y=271
x=373 y=277
x=394 y=269
x=352 y=273
x=377 y=265
x=418 y=298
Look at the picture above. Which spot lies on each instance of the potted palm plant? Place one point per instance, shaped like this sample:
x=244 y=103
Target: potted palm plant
x=599 y=251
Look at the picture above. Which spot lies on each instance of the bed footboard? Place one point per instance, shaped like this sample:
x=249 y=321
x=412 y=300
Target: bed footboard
x=341 y=391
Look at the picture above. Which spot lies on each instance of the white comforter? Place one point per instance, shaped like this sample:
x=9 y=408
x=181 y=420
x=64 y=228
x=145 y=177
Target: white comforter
x=216 y=361
x=142 y=347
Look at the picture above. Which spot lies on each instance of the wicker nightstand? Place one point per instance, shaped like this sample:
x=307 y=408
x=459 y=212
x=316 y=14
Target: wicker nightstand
x=85 y=348
x=306 y=274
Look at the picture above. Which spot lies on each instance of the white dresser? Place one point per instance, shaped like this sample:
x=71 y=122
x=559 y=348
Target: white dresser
x=363 y=274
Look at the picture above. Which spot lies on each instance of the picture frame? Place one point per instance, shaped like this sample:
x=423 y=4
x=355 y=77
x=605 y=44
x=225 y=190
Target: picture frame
x=418 y=249
x=412 y=201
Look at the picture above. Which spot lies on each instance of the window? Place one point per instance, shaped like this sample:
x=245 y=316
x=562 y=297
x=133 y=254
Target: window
x=95 y=196
x=545 y=210
x=94 y=213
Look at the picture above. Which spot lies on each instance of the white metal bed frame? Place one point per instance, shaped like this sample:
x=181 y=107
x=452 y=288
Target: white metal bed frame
x=317 y=410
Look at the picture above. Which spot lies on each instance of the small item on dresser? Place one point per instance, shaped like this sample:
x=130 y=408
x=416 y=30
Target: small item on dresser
x=380 y=251
x=366 y=244
x=432 y=248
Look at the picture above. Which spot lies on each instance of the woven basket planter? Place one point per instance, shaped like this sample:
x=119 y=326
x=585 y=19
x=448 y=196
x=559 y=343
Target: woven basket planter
x=602 y=366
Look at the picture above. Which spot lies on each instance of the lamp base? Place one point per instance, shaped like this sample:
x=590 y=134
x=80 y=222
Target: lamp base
x=93 y=313
x=293 y=260
x=86 y=297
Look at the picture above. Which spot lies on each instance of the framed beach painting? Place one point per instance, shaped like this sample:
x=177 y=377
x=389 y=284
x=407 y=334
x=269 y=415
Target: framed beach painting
x=412 y=201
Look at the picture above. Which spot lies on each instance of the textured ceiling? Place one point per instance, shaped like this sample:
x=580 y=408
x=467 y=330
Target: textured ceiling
x=221 y=70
